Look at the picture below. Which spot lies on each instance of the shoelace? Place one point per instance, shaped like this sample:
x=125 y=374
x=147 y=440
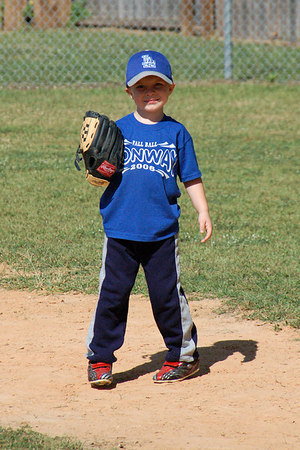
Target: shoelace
x=167 y=365
x=101 y=365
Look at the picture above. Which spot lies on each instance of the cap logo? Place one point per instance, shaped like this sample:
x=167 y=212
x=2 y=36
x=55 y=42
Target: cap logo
x=148 y=62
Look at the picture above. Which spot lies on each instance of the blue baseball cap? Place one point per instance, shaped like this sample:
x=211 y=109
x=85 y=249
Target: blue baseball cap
x=145 y=63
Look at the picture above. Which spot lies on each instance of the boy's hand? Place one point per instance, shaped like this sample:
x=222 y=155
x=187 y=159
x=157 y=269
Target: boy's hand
x=197 y=195
x=205 y=225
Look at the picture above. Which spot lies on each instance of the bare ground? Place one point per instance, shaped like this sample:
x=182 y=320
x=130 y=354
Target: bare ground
x=246 y=395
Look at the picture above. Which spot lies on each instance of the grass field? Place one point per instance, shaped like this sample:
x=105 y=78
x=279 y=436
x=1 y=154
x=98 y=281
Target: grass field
x=247 y=141
x=26 y=438
x=83 y=55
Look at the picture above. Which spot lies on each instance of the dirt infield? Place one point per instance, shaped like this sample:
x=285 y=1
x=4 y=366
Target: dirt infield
x=246 y=395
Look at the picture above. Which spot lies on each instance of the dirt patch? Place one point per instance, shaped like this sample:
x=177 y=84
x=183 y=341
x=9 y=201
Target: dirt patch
x=246 y=395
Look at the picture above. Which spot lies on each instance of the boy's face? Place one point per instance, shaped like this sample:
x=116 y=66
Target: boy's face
x=150 y=94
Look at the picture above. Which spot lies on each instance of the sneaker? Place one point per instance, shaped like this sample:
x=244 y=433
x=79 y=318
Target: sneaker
x=99 y=374
x=176 y=371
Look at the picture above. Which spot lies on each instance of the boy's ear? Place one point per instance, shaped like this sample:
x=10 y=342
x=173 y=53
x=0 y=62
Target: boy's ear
x=171 y=88
x=128 y=90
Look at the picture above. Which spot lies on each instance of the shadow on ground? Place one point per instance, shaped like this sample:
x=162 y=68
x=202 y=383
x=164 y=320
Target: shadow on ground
x=217 y=352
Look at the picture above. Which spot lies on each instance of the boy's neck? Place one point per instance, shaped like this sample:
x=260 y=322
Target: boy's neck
x=149 y=119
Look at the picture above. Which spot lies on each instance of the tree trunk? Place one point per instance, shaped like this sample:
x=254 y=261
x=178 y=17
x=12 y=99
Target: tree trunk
x=13 y=14
x=187 y=17
x=207 y=18
x=51 y=13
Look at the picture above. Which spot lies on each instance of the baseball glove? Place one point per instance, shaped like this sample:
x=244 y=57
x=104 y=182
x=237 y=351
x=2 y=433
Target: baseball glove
x=102 y=149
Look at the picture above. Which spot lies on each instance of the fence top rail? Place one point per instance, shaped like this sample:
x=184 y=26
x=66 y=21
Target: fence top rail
x=39 y=39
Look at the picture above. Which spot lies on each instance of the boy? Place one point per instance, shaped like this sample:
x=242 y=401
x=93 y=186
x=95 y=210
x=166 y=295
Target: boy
x=140 y=219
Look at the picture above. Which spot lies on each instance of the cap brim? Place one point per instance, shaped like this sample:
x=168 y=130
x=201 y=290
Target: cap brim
x=147 y=73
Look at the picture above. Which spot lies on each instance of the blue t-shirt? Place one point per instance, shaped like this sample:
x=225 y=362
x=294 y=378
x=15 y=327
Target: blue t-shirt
x=140 y=204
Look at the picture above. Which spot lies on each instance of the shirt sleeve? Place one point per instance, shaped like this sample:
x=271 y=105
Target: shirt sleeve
x=187 y=161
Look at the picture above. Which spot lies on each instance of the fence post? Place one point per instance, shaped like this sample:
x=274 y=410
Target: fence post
x=13 y=14
x=227 y=40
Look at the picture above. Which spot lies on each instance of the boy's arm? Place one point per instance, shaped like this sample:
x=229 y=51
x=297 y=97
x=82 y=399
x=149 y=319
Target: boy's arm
x=196 y=192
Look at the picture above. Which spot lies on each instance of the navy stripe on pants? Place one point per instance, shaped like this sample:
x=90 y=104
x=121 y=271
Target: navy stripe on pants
x=120 y=264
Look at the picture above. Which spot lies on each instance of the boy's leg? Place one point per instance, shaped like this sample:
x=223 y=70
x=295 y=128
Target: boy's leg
x=117 y=276
x=169 y=304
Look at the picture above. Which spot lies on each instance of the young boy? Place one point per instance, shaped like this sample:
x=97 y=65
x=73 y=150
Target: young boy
x=140 y=219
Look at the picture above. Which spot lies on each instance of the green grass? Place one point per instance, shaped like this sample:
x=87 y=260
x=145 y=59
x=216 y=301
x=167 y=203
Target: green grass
x=247 y=141
x=83 y=55
x=26 y=438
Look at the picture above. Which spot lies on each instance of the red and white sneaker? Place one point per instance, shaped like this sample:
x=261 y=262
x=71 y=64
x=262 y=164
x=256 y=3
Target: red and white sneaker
x=176 y=371
x=99 y=374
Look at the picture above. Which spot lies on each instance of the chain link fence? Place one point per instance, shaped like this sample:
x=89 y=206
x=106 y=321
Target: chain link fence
x=63 y=42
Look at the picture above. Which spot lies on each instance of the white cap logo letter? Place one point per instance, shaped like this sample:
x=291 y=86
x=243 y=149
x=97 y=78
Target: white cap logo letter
x=148 y=62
